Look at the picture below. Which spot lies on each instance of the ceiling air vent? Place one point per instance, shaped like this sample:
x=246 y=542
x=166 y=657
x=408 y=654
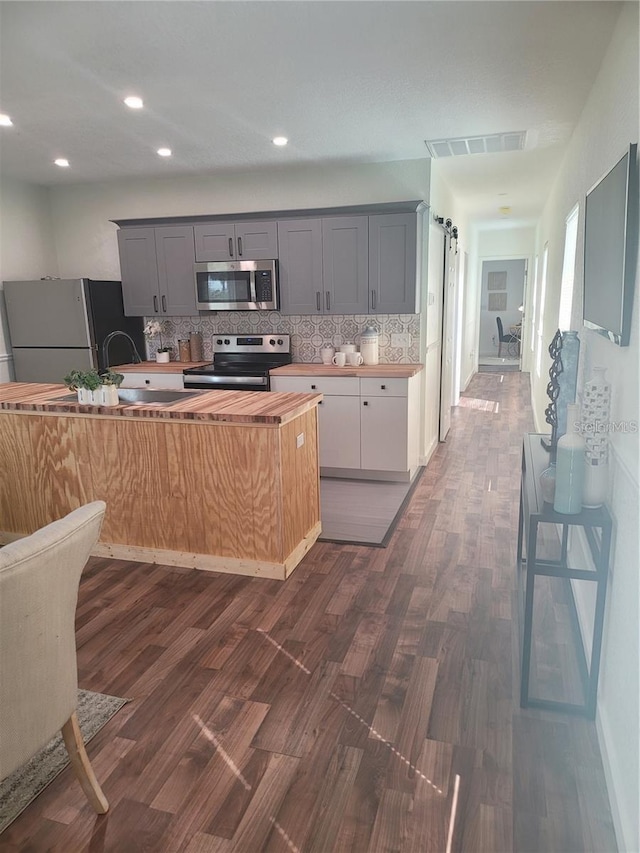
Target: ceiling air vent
x=491 y=144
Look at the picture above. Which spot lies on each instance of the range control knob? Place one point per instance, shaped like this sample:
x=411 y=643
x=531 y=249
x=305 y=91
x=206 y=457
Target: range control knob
x=272 y=342
x=227 y=341
x=280 y=342
x=219 y=341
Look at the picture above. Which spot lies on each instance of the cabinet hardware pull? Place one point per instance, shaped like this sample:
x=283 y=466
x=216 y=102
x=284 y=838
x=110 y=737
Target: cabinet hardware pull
x=318 y=300
x=230 y=247
x=373 y=299
x=164 y=303
x=313 y=387
x=328 y=301
x=365 y=403
x=155 y=304
x=383 y=387
x=240 y=246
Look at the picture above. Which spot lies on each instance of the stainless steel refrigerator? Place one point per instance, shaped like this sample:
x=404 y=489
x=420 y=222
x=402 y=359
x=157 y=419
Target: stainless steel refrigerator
x=57 y=325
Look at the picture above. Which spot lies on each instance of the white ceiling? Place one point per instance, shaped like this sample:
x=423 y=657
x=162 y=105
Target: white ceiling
x=347 y=82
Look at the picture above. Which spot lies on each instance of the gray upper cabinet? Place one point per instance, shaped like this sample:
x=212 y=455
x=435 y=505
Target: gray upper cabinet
x=393 y=264
x=345 y=264
x=225 y=241
x=300 y=263
x=156 y=266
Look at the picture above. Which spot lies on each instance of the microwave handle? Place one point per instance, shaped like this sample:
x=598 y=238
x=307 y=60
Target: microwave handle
x=252 y=286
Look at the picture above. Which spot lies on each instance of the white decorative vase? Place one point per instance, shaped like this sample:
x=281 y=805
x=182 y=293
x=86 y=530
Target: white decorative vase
x=596 y=403
x=162 y=357
x=84 y=395
x=109 y=395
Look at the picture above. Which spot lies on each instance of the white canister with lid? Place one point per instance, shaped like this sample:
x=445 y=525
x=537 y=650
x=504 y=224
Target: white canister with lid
x=369 y=345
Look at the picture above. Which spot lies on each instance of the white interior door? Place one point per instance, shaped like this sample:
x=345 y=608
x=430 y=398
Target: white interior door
x=448 y=329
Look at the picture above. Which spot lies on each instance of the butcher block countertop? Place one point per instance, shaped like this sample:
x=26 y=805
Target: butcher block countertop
x=154 y=367
x=384 y=371
x=241 y=407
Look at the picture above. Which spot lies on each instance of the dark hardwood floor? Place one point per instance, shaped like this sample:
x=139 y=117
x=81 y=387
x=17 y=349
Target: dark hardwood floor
x=368 y=703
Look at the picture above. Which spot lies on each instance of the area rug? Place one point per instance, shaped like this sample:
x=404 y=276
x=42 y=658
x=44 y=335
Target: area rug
x=362 y=512
x=24 y=784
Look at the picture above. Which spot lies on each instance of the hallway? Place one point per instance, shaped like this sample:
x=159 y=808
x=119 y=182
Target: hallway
x=369 y=703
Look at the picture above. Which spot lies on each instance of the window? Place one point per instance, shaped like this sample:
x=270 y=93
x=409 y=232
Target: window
x=568 y=270
x=540 y=329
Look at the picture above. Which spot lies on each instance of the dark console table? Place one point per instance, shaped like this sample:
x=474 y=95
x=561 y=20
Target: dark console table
x=533 y=512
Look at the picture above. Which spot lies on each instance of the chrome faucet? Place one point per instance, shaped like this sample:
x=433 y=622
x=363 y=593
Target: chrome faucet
x=107 y=341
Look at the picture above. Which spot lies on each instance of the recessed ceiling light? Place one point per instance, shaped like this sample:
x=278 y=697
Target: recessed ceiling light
x=164 y=152
x=134 y=102
x=5 y=121
x=280 y=140
x=61 y=162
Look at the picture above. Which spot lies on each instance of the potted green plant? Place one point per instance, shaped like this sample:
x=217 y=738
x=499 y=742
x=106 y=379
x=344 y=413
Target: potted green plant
x=86 y=383
x=109 y=384
x=154 y=329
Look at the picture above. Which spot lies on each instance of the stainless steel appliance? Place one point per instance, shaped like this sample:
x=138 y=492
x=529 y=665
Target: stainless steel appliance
x=237 y=286
x=241 y=363
x=57 y=325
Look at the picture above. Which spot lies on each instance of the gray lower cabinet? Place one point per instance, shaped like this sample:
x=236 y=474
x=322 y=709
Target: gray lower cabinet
x=300 y=265
x=225 y=241
x=156 y=267
x=393 y=264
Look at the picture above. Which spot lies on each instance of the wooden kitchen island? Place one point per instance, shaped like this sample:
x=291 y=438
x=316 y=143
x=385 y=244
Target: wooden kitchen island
x=224 y=481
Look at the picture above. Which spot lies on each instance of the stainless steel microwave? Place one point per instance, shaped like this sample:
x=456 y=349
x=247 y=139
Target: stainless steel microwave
x=237 y=286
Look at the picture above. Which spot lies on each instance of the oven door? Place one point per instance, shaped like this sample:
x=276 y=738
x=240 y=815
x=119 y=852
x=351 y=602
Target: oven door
x=224 y=382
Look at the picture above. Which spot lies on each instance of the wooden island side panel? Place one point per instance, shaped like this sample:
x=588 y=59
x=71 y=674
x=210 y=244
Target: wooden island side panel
x=224 y=497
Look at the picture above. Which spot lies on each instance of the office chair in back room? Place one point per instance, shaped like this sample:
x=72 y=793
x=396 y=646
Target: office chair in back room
x=505 y=339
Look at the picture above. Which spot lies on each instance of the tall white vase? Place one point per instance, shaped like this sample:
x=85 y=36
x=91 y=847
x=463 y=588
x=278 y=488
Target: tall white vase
x=596 y=405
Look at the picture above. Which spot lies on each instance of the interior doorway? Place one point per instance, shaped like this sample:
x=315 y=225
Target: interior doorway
x=501 y=310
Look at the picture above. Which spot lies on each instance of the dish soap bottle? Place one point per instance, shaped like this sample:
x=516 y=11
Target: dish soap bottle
x=570 y=466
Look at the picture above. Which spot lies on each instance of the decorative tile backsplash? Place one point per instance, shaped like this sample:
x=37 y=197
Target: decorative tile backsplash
x=309 y=333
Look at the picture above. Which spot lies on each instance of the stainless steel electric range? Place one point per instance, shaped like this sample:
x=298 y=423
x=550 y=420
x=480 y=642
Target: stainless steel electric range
x=241 y=363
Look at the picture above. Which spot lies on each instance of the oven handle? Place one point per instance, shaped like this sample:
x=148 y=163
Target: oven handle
x=212 y=381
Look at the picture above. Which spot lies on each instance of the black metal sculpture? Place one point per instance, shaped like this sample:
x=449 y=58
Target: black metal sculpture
x=553 y=390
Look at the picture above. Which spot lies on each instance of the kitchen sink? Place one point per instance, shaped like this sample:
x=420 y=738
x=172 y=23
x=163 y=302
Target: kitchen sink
x=142 y=396
x=153 y=395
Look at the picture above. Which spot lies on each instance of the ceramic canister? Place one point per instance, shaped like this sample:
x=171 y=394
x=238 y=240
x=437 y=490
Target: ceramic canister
x=369 y=345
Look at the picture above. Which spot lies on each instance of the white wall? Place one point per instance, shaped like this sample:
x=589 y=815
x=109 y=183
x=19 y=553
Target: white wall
x=86 y=239
x=607 y=125
x=26 y=247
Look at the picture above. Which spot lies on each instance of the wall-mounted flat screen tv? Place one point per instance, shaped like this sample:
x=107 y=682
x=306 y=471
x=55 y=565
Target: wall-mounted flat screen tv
x=610 y=250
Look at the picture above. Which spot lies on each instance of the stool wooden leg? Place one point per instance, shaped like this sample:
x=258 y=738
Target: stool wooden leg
x=79 y=759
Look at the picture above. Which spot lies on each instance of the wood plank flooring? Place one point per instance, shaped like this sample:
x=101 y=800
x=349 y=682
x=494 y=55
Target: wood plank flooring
x=367 y=704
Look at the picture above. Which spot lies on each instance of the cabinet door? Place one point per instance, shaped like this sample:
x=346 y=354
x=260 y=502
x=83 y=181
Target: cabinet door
x=256 y=241
x=300 y=252
x=393 y=264
x=214 y=241
x=384 y=430
x=176 y=284
x=345 y=264
x=339 y=432
x=138 y=271
x=152 y=380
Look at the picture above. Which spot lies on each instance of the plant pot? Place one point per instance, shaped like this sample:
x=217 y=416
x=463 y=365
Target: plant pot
x=162 y=357
x=109 y=395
